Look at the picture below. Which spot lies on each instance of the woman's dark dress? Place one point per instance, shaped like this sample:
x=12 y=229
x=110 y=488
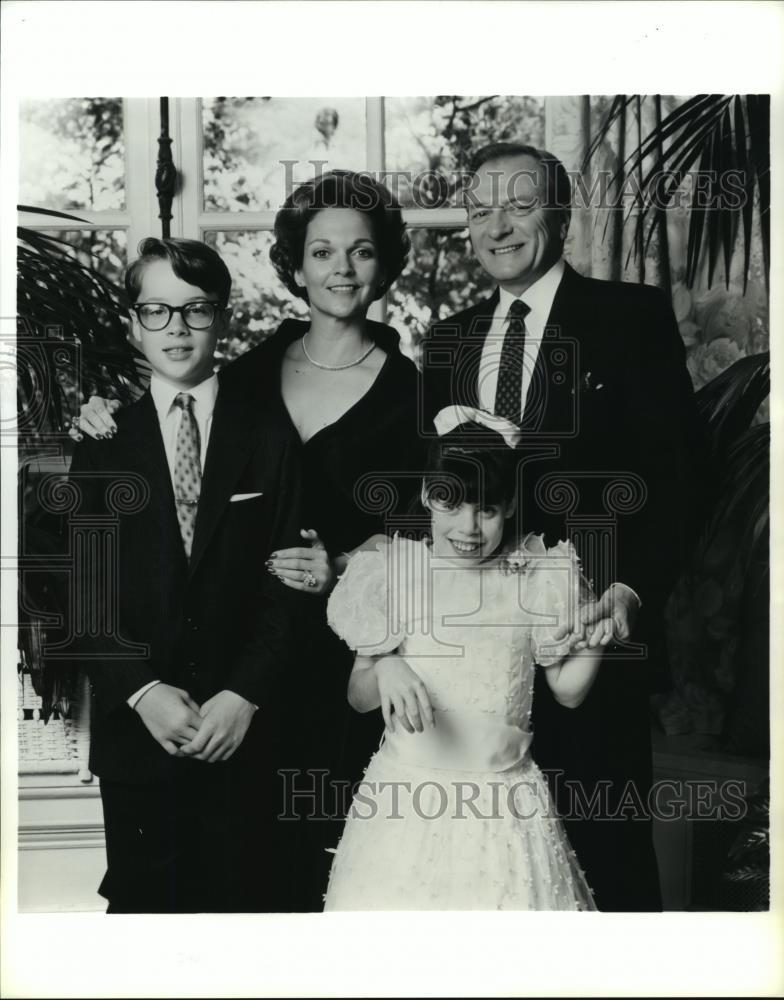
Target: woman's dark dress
x=359 y=477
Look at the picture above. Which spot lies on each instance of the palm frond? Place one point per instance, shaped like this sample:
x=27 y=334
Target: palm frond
x=62 y=301
x=750 y=841
x=743 y=489
x=748 y=858
x=71 y=337
x=696 y=225
x=746 y=173
x=739 y=457
x=748 y=873
x=728 y=135
x=50 y=212
x=615 y=111
x=728 y=219
x=758 y=110
x=729 y=402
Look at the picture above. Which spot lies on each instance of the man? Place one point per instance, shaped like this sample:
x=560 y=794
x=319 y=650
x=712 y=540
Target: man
x=594 y=374
x=184 y=735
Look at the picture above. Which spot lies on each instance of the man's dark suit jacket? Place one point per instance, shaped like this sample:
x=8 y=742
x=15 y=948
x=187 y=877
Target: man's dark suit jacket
x=612 y=448
x=221 y=622
x=611 y=393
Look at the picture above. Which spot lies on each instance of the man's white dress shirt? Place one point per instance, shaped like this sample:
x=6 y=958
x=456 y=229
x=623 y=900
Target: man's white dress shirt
x=539 y=298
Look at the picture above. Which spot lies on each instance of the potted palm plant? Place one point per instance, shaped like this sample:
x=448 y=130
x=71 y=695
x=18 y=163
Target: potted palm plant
x=71 y=341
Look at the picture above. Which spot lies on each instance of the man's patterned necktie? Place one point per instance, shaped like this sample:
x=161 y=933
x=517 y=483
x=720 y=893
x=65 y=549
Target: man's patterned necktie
x=509 y=388
x=187 y=470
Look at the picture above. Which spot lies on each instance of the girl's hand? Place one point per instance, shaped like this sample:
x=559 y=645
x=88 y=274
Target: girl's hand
x=403 y=693
x=567 y=641
x=95 y=419
x=618 y=605
x=595 y=633
x=309 y=569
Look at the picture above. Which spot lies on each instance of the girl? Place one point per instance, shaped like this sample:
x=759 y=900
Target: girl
x=453 y=813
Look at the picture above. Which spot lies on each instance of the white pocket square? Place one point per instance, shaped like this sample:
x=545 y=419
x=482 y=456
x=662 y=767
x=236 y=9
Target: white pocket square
x=243 y=496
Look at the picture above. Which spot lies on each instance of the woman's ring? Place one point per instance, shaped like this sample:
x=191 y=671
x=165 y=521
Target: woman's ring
x=308 y=579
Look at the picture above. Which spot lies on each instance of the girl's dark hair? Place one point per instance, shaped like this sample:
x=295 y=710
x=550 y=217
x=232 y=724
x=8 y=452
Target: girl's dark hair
x=471 y=464
x=192 y=262
x=339 y=189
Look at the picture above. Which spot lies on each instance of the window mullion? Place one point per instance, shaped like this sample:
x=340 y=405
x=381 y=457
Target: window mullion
x=435 y=218
x=185 y=130
x=236 y=220
x=374 y=123
x=142 y=125
x=376 y=164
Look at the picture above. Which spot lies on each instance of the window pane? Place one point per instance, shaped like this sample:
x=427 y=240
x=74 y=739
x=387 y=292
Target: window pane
x=103 y=250
x=246 y=140
x=442 y=277
x=425 y=134
x=72 y=154
x=258 y=298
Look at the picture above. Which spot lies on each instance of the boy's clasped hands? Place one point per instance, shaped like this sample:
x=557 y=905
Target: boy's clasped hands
x=211 y=732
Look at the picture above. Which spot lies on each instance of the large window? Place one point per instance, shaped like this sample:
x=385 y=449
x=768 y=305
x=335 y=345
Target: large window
x=92 y=158
x=240 y=158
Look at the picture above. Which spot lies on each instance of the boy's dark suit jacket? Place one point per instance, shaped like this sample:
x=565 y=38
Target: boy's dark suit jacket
x=220 y=622
x=611 y=402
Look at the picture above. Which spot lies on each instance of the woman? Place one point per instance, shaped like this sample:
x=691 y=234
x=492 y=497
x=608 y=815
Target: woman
x=352 y=397
x=340 y=379
x=343 y=383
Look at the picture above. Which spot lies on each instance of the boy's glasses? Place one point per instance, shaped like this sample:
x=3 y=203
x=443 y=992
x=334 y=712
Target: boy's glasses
x=156 y=316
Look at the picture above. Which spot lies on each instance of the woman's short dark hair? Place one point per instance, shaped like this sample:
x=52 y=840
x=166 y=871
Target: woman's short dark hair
x=192 y=261
x=471 y=464
x=339 y=189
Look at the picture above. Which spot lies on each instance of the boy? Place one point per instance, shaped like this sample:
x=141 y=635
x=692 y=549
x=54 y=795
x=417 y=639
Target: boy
x=183 y=738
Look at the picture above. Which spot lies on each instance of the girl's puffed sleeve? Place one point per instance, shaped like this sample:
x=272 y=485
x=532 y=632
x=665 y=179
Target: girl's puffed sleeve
x=361 y=609
x=557 y=588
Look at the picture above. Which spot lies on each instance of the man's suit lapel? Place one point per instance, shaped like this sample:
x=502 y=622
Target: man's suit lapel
x=563 y=304
x=550 y=400
x=473 y=333
x=142 y=436
x=234 y=433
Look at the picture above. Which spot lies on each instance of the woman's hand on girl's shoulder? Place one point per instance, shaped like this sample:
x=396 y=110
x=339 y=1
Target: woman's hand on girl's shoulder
x=95 y=419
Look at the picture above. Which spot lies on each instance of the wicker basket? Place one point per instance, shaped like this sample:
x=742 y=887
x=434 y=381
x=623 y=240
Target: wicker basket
x=59 y=746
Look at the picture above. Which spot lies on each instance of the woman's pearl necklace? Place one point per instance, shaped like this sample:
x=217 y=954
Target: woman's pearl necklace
x=337 y=368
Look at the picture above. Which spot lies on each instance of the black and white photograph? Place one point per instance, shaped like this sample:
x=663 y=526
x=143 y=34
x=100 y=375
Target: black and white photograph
x=386 y=518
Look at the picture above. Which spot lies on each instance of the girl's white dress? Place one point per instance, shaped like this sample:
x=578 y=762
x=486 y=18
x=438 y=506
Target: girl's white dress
x=459 y=816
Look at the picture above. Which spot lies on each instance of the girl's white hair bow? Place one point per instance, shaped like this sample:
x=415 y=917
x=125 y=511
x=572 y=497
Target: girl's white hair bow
x=450 y=417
